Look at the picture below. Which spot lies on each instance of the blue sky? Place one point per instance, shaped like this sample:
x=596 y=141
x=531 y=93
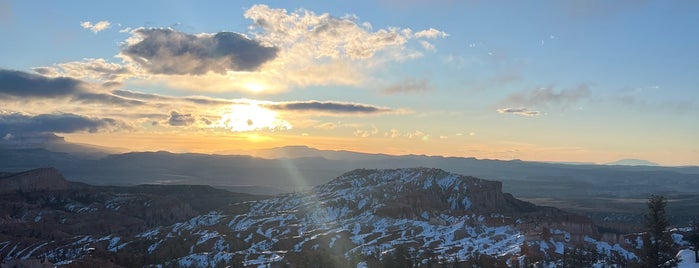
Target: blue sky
x=588 y=81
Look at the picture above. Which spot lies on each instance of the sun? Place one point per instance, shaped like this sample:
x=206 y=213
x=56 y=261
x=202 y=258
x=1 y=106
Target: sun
x=251 y=117
x=255 y=87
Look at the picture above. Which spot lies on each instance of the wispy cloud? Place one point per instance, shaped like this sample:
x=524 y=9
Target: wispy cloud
x=327 y=107
x=547 y=96
x=518 y=111
x=431 y=33
x=97 y=26
x=409 y=85
x=94 y=69
x=364 y=133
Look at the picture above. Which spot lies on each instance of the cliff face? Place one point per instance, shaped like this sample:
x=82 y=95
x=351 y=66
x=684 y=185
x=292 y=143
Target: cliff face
x=408 y=193
x=34 y=180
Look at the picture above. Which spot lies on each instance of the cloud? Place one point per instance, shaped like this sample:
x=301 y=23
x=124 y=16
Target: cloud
x=326 y=126
x=548 y=97
x=327 y=36
x=105 y=98
x=283 y=50
x=13 y=122
x=24 y=85
x=252 y=117
x=417 y=134
x=96 y=69
x=394 y=133
x=167 y=51
x=427 y=45
x=431 y=33
x=97 y=27
x=409 y=85
x=179 y=119
x=326 y=107
x=151 y=97
x=363 y=133
x=518 y=111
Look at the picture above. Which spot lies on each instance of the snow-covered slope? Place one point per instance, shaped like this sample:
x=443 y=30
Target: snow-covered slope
x=363 y=214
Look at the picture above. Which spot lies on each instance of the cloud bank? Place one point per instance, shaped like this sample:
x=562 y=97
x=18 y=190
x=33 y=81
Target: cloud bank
x=20 y=85
x=13 y=122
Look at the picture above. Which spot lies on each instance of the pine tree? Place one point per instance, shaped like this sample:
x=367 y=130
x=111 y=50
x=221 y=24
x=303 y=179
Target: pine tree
x=657 y=243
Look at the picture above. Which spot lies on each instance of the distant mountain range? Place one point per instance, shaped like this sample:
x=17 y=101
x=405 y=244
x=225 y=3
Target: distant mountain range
x=633 y=162
x=581 y=187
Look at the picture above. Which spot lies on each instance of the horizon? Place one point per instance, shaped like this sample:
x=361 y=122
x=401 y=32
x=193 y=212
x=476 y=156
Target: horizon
x=548 y=81
x=257 y=153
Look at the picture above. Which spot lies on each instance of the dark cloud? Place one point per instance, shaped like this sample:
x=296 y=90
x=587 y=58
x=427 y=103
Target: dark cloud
x=330 y=107
x=166 y=51
x=22 y=84
x=548 y=97
x=410 y=85
x=14 y=123
x=178 y=119
x=519 y=111
x=27 y=85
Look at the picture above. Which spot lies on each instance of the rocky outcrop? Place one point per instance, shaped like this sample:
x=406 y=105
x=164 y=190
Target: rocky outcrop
x=34 y=180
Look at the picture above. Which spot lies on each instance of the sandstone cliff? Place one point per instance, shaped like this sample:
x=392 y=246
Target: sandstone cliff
x=34 y=180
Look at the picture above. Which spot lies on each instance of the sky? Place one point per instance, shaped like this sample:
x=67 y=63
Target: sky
x=566 y=81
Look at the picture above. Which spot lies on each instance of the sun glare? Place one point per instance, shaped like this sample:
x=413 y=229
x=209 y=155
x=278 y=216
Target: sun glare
x=251 y=117
x=254 y=87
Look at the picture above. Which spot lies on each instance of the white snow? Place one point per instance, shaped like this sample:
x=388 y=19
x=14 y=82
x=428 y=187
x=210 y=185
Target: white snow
x=29 y=254
x=679 y=239
x=113 y=244
x=687 y=259
x=606 y=248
